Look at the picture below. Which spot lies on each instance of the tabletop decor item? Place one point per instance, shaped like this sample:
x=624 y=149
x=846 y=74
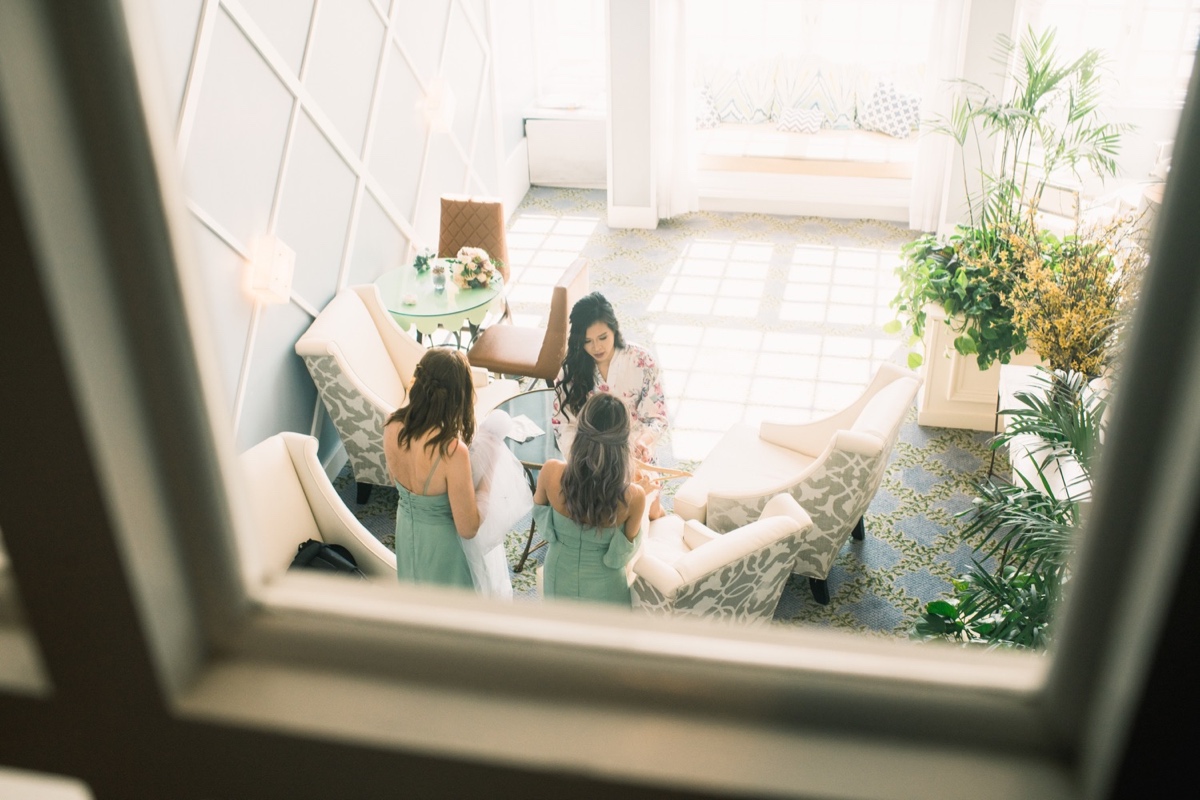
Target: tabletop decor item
x=438 y=270
x=475 y=269
x=421 y=261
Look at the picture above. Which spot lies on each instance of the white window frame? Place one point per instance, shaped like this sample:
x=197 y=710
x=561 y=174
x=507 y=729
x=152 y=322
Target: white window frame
x=387 y=670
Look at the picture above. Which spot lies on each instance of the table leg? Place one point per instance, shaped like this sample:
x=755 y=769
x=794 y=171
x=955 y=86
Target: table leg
x=529 y=547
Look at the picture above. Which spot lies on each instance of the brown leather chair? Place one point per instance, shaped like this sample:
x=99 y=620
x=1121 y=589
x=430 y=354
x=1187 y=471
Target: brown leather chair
x=533 y=352
x=475 y=222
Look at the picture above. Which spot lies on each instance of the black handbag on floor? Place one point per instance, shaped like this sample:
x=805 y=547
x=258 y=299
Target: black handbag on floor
x=315 y=554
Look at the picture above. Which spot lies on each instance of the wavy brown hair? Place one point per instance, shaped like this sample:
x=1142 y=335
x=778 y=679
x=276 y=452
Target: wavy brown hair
x=598 y=468
x=442 y=399
x=579 y=368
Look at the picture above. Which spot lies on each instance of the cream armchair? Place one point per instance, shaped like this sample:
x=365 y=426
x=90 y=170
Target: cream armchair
x=686 y=569
x=832 y=466
x=293 y=501
x=363 y=364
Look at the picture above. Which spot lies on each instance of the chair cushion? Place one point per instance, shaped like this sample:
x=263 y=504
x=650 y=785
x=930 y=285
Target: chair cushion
x=346 y=322
x=743 y=464
x=665 y=540
x=884 y=412
x=507 y=349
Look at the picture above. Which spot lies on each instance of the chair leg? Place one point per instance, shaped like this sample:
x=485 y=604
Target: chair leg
x=364 y=492
x=820 y=590
x=859 y=531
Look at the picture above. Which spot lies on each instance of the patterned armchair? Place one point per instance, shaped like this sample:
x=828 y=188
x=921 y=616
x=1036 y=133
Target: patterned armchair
x=832 y=466
x=685 y=569
x=363 y=364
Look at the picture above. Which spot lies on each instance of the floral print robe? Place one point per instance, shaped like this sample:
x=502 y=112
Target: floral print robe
x=633 y=379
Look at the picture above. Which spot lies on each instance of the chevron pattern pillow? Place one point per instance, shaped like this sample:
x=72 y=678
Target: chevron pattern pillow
x=800 y=120
x=890 y=111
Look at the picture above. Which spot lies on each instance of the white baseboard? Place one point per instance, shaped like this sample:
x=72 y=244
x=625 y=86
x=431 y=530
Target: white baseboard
x=515 y=180
x=632 y=217
x=337 y=459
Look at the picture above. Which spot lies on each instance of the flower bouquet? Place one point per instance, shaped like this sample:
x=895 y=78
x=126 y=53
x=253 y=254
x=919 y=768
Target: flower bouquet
x=475 y=269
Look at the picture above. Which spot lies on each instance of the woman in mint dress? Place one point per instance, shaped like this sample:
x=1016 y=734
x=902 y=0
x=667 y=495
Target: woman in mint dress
x=589 y=511
x=426 y=447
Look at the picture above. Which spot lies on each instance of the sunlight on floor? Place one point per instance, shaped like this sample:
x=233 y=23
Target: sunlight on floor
x=540 y=247
x=744 y=331
x=720 y=372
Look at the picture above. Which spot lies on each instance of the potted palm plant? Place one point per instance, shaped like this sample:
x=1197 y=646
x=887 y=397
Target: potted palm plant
x=1049 y=122
x=1024 y=533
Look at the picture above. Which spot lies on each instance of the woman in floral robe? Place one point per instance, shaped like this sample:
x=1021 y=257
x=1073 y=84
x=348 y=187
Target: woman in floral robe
x=600 y=360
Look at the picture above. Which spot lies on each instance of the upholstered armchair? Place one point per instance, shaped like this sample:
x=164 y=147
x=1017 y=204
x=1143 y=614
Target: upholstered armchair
x=363 y=364
x=832 y=466
x=476 y=222
x=292 y=501
x=686 y=569
x=535 y=353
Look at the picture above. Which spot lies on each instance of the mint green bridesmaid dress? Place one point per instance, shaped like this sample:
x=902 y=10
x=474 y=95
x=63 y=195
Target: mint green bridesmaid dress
x=585 y=563
x=427 y=546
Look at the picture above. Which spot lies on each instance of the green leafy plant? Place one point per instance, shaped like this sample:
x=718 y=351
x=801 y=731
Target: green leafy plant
x=1049 y=123
x=1024 y=533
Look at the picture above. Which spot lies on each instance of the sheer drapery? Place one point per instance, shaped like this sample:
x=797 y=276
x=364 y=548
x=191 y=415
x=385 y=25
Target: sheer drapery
x=935 y=151
x=674 y=116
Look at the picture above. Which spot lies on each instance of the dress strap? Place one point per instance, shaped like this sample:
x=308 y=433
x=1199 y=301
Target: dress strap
x=432 y=469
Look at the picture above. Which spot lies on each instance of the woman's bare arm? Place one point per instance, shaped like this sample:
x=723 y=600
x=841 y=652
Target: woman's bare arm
x=461 y=489
x=550 y=471
x=636 y=498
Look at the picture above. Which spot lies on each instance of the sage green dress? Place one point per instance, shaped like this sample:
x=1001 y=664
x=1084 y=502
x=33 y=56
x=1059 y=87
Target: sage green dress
x=427 y=545
x=584 y=563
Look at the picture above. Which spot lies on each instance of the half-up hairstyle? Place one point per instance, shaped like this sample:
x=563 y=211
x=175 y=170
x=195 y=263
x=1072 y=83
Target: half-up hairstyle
x=442 y=399
x=579 y=368
x=598 y=467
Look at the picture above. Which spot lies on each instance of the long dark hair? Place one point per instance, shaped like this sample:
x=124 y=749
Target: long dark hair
x=598 y=467
x=579 y=368
x=442 y=399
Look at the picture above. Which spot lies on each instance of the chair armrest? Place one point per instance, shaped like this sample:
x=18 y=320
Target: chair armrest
x=810 y=438
x=658 y=574
x=479 y=377
x=733 y=546
x=866 y=444
x=696 y=534
x=784 y=505
x=335 y=522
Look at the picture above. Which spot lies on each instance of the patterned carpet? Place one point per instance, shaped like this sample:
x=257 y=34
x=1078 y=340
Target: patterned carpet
x=753 y=316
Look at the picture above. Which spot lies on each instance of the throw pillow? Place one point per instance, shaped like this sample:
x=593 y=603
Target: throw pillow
x=706 y=112
x=800 y=120
x=890 y=111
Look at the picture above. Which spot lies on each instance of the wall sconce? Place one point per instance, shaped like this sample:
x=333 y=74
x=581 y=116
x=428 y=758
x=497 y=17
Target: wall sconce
x=269 y=272
x=437 y=106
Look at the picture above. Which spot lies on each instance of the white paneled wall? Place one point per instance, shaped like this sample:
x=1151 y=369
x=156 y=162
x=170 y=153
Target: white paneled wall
x=299 y=118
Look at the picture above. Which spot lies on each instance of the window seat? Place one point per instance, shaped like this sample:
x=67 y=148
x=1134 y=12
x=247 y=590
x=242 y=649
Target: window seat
x=761 y=147
x=853 y=174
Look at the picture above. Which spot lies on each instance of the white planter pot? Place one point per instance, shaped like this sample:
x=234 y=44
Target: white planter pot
x=955 y=392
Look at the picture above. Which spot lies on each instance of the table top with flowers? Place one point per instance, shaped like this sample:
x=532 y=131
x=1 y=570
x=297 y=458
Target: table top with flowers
x=472 y=286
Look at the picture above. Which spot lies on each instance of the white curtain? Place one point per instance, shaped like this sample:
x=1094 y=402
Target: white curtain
x=674 y=117
x=935 y=152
